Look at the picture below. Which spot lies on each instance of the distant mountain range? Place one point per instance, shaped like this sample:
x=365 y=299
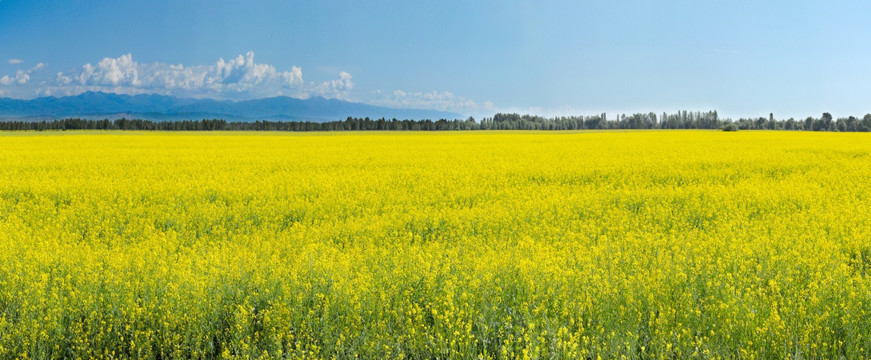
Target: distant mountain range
x=100 y=105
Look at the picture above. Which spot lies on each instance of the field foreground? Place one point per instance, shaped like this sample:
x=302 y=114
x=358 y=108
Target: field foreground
x=423 y=245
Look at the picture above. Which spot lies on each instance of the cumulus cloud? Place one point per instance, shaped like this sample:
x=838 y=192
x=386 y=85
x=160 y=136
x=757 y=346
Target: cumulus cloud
x=21 y=77
x=122 y=70
x=337 y=88
x=240 y=77
x=236 y=78
x=62 y=79
x=15 y=61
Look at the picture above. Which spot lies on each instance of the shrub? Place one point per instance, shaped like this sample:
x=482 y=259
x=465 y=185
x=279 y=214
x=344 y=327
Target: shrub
x=730 y=127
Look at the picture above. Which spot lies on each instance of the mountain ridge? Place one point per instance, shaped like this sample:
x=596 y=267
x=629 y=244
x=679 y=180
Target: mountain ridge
x=97 y=104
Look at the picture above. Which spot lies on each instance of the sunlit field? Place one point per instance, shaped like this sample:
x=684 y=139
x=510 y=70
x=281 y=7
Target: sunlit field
x=502 y=245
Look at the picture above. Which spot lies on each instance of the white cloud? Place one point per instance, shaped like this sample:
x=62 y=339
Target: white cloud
x=444 y=100
x=240 y=77
x=63 y=79
x=21 y=77
x=121 y=70
x=14 y=61
x=237 y=77
x=337 y=88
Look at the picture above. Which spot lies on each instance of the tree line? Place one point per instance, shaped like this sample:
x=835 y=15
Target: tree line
x=679 y=120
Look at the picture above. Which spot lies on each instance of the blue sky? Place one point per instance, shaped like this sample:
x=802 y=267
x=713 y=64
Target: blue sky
x=742 y=58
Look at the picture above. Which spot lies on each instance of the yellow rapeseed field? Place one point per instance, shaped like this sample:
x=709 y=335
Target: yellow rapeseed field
x=493 y=245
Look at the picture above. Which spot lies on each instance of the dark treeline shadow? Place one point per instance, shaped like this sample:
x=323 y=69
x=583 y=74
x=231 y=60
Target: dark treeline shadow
x=679 y=120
